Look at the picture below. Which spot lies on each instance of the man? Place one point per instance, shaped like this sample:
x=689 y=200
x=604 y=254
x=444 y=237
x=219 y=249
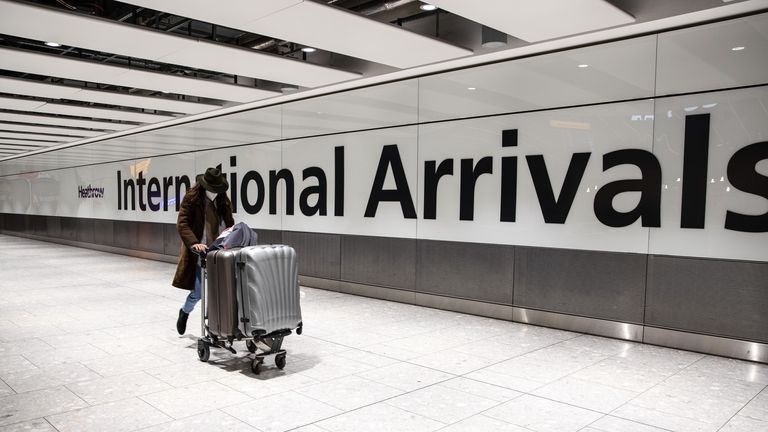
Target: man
x=204 y=213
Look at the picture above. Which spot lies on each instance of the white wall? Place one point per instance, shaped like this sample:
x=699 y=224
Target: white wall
x=634 y=94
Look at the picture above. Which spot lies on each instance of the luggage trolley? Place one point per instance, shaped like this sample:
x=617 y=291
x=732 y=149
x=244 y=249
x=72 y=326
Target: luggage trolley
x=261 y=343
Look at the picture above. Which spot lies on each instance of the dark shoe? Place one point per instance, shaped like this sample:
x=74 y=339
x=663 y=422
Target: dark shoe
x=181 y=323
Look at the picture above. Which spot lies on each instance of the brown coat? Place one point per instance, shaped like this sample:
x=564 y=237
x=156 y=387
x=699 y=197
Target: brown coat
x=190 y=224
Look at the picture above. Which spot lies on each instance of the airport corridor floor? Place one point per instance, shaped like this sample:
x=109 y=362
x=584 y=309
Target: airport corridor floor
x=88 y=343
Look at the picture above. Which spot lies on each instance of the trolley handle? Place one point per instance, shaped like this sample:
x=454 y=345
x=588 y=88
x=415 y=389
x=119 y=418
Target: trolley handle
x=201 y=255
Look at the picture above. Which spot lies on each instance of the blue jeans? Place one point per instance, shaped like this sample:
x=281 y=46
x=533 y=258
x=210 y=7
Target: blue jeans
x=194 y=295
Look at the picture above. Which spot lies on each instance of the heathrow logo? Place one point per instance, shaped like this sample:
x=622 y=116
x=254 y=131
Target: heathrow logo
x=90 y=192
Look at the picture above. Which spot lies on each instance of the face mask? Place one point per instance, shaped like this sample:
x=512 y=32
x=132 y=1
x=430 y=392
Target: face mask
x=211 y=195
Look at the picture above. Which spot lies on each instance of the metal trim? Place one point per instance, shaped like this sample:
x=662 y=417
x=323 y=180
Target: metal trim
x=734 y=348
x=595 y=326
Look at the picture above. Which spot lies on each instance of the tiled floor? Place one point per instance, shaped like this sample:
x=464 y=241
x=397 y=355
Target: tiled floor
x=87 y=343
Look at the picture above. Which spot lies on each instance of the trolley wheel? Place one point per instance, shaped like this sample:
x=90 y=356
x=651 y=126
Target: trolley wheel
x=299 y=329
x=251 y=345
x=203 y=351
x=256 y=366
x=280 y=361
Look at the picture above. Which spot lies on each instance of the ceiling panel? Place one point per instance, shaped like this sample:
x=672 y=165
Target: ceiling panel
x=54 y=138
x=57 y=121
x=25 y=143
x=35 y=88
x=63 y=67
x=237 y=12
x=48 y=130
x=537 y=20
x=243 y=62
x=79 y=30
x=140 y=42
x=53 y=91
x=19 y=104
x=145 y=102
x=318 y=25
x=81 y=111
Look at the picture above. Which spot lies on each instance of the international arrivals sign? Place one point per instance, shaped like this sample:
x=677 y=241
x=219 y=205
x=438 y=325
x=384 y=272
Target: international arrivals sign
x=307 y=191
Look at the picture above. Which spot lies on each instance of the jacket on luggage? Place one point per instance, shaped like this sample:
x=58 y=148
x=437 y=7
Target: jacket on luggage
x=239 y=235
x=190 y=225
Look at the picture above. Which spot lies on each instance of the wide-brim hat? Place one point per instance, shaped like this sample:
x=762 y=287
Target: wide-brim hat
x=213 y=181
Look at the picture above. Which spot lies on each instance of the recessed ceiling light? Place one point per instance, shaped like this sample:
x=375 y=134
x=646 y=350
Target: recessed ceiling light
x=428 y=7
x=53 y=44
x=471 y=88
x=738 y=48
x=583 y=66
x=308 y=49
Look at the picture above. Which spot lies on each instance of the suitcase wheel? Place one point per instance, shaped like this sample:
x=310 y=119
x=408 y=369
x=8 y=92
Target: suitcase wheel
x=280 y=361
x=256 y=366
x=250 y=345
x=203 y=351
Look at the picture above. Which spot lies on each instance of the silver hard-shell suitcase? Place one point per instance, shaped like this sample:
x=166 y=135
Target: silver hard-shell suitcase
x=268 y=292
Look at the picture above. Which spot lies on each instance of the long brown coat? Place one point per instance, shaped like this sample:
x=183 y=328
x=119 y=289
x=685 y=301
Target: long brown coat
x=190 y=224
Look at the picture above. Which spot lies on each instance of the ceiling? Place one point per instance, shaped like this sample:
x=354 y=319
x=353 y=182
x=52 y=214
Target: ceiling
x=75 y=70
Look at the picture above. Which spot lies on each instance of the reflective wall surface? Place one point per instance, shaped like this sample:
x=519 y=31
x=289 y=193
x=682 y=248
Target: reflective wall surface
x=426 y=158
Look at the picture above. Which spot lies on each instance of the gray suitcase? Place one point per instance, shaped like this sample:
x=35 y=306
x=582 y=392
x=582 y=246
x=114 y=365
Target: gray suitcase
x=268 y=289
x=222 y=293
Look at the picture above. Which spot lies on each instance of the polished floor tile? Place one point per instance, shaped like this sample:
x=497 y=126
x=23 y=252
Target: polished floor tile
x=88 y=343
x=350 y=392
x=282 y=412
x=114 y=388
x=615 y=424
x=39 y=425
x=483 y=423
x=53 y=376
x=745 y=424
x=442 y=404
x=380 y=418
x=543 y=415
x=121 y=416
x=586 y=394
x=204 y=422
x=198 y=398
x=5 y=390
x=37 y=404
x=406 y=376
x=757 y=408
x=478 y=388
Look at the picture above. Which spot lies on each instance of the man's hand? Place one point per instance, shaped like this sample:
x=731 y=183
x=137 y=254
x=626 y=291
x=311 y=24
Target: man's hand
x=199 y=247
